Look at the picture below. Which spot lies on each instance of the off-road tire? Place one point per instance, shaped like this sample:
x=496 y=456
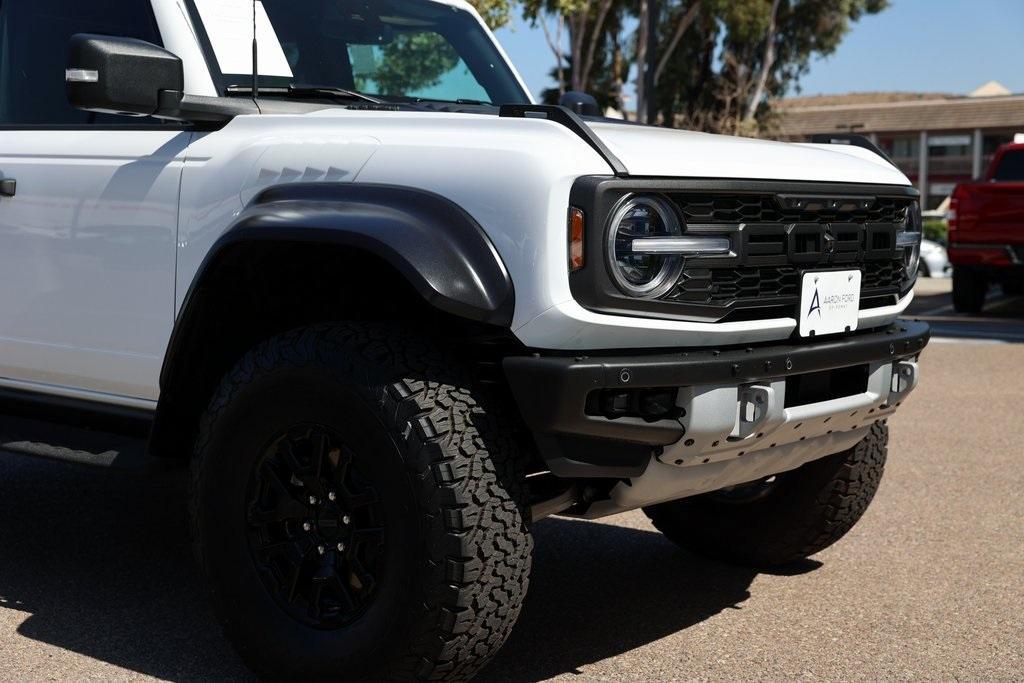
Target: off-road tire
x=969 y=289
x=458 y=549
x=806 y=511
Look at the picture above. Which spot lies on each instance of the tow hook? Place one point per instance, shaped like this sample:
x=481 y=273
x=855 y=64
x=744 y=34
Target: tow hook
x=904 y=379
x=753 y=410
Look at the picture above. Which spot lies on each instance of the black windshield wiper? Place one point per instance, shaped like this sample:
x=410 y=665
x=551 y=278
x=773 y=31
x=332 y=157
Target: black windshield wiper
x=482 y=103
x=301 y=90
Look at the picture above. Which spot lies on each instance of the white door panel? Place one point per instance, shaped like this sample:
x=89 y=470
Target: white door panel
x=87 y=256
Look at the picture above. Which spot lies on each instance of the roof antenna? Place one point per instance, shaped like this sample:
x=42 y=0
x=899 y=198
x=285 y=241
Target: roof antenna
x=255 y=57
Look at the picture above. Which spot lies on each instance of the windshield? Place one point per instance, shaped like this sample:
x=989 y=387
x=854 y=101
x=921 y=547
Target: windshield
x=400 y=49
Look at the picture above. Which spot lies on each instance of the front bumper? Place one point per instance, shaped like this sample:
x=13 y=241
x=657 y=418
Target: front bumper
x=730 y=401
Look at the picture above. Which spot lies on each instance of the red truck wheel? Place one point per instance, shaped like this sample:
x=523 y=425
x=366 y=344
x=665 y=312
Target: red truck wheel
x=969 y=289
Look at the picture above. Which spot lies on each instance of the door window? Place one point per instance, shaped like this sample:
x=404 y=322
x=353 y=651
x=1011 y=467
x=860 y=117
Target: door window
x=34 y=37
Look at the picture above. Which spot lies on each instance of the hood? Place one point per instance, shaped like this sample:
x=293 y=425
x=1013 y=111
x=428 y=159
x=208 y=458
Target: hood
x=651 y=151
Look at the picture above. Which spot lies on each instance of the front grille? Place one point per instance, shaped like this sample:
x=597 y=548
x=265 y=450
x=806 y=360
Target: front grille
x=777 y=231
x=774 y=242
x=722 y=285
x=882 y=275
x=765 y=208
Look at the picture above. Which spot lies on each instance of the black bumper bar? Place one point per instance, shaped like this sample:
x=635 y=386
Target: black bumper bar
x=552 y=390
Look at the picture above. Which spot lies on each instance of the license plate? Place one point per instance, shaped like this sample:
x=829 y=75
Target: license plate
x=829 y=302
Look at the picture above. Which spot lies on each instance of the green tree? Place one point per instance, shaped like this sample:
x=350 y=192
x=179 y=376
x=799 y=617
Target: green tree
x=593 y=29
x=496 y=13
x=718 y=64
x=768 y=46
x=753 y=52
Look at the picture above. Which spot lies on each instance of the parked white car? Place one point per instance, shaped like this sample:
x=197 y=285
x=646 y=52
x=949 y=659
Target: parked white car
x=392 y=312
x=934 y=260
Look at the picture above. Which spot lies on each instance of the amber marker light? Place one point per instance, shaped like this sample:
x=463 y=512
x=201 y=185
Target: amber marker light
x=576 y=225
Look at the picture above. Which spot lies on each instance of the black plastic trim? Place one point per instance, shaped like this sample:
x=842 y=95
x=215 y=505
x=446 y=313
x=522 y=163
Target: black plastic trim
x=593 y=287
x=568 y=118
x=133 y=76
x=852 y=139
x=573 y=456
x=438 y=247
x=552 y=391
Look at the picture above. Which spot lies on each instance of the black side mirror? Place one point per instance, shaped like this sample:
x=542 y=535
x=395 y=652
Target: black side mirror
x=581 y=103
x=122 y=76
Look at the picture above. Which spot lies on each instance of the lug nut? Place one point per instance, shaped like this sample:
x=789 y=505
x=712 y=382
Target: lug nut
x=320 y=549
x=341 y=547
x=331 y=496
x=306 y=526
x=312 y=500
x=346 y=519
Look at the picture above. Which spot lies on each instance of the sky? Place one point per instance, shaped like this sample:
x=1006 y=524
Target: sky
x=916 y=45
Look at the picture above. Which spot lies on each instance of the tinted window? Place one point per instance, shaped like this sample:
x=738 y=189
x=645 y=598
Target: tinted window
x=1011 y=166
x=34 y=36
x=414 y=64
x=390 y=48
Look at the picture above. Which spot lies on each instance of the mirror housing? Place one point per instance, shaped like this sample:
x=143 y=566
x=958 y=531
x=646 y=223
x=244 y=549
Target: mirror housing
x=581 y=103
x=123 y=76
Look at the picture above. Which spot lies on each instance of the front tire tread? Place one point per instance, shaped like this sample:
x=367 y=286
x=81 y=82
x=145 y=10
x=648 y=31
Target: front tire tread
x=463 y=463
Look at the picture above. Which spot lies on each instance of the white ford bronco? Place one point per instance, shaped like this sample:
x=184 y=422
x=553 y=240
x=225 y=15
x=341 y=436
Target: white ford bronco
x=392 y=312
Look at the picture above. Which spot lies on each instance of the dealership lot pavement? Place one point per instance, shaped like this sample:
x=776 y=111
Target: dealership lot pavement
x=96 y=580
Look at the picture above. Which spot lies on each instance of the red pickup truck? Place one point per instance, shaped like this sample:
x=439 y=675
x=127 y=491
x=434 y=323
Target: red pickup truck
x=986 y=231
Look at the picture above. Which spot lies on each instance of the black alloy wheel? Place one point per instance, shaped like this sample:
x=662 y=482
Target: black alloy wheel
x=314 y=528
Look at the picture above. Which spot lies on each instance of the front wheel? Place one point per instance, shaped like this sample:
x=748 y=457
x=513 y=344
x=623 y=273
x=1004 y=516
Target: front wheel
x=358 y=510
x=784 y=518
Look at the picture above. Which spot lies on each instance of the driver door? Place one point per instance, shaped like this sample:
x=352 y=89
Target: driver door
x=87 y=237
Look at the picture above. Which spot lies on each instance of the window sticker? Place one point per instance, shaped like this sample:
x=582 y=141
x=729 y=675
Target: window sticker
x=229 y=25
x=363 y=60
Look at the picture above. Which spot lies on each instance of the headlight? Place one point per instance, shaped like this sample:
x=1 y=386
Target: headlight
x=909 y=240
x=637 y=271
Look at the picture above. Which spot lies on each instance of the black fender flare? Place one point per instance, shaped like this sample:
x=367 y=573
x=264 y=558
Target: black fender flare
x=434 y=244
x=439 y=248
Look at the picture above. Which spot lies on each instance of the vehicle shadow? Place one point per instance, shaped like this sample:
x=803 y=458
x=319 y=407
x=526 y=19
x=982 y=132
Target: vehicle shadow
x=100 y=561
x=926 y=300
x=599 y=590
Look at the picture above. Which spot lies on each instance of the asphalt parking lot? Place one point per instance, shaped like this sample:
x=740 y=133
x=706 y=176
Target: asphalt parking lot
x=96 y=580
